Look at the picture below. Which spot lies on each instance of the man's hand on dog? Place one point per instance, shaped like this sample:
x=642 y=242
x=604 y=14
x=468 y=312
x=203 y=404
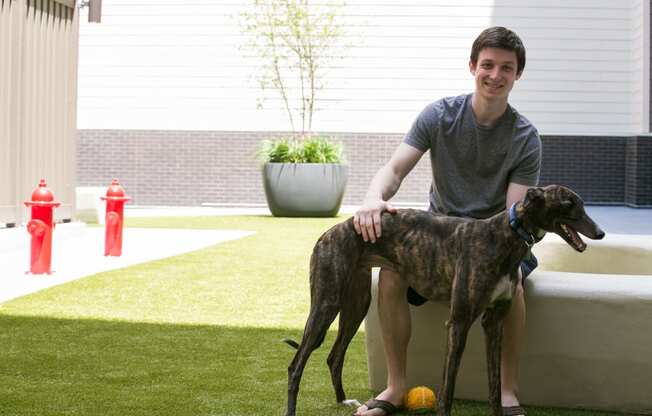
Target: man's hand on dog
x=366 y=220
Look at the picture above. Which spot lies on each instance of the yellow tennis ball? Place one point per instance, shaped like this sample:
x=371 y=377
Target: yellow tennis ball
x=420 y=399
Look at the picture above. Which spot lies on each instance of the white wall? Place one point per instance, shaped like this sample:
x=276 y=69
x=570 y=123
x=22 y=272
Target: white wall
x=582 y=68
x=641 y=64
x=637 y=61
x=171 y=64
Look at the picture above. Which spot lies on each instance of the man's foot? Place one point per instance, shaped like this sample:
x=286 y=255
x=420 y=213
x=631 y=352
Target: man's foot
x=513 y=411
x=511 y=405
x=393 y=396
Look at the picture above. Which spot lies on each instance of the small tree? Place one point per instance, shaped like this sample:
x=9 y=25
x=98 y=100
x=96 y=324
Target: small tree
x=296 y=41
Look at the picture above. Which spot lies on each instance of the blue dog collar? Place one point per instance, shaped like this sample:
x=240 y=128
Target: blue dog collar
x=517 y=226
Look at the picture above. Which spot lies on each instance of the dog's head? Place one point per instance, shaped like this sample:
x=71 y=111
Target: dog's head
x=559 y=210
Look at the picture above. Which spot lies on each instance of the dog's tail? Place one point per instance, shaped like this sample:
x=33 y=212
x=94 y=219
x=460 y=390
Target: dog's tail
x=291 y=343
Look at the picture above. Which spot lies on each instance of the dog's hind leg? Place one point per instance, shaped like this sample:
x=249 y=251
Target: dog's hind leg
x=320 y=318
x=355 y=305
x=457 y=333
x=492 y=323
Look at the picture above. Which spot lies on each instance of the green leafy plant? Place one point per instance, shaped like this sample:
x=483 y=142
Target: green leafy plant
x=308 y=150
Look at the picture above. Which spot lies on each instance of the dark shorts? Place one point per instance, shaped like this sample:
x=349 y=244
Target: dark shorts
x=528 y=265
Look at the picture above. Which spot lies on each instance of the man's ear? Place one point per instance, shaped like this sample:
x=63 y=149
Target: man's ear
x=472 y=67
x=533 y=197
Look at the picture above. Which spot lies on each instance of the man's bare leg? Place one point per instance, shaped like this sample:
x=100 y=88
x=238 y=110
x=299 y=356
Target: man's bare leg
x=513 y=332
x=395 y=323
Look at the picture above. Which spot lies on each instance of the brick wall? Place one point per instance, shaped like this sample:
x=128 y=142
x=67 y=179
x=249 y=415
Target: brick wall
x=192 y=167
x=195 y=167
x=638 y=173
x=593 y=166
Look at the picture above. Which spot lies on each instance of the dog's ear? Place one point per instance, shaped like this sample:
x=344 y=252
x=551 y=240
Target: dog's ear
x=533 y=197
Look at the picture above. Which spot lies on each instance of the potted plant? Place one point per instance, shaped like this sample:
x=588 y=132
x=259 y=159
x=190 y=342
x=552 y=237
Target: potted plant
x=303 y=178
x=303 y=174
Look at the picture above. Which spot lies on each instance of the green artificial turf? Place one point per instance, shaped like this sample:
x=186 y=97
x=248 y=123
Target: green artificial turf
x=196 y=334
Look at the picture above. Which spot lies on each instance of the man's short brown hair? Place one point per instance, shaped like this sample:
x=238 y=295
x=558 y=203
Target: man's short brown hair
x=499 y=37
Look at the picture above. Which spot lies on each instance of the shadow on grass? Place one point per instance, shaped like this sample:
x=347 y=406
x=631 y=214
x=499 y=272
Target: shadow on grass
x=94 y=367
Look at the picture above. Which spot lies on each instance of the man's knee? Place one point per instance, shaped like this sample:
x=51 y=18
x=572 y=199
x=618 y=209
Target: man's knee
x=391 y=283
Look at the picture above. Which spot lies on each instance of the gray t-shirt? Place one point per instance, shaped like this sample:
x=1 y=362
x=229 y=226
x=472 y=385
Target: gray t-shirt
x=472 y=165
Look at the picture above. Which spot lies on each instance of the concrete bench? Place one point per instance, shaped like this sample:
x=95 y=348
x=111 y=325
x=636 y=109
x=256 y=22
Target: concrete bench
x=588 y=340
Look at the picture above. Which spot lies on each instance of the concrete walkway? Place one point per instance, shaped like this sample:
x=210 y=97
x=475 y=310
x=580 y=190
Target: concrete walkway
x=622 y=220
x=78 y=251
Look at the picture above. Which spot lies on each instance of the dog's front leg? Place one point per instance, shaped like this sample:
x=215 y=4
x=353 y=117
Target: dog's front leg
x=458 y=330
x=492 y=322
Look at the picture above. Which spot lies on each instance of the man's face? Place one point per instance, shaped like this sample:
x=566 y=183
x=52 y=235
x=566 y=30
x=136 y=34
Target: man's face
x=495 y=73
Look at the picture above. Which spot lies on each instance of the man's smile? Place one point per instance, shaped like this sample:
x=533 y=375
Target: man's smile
x=494 y=86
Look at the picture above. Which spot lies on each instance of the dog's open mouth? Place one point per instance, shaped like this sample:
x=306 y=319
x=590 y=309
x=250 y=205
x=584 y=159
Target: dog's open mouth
x=572 y=237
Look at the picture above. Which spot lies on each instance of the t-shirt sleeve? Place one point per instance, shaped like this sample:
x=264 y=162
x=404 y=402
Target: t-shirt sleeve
x=424 y=128
x=528 y=168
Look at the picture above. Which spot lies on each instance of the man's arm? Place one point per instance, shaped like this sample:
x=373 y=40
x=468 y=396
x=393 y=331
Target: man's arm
x=383 y=186
x=515 y=193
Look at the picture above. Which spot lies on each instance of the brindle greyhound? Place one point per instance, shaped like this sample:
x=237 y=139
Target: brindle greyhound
x=470 y=263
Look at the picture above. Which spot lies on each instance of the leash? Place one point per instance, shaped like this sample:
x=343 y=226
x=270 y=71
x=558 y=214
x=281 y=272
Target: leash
x=517 y=225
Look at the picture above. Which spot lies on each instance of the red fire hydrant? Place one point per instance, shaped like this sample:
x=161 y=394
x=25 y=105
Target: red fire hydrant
x=115 y=201
x=40 y=227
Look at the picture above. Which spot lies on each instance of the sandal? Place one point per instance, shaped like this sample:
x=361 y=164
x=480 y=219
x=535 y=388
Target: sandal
x=388 y=407
x=514 y=411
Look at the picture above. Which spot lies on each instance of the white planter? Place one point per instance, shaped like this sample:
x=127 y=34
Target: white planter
x=304 y=189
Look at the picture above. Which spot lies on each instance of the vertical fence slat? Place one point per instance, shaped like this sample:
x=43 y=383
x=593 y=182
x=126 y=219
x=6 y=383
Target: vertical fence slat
x=8 y=34
x=71 y=59
x=38 y=89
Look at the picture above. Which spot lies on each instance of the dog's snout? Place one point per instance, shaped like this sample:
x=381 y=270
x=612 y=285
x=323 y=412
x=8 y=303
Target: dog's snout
x=599 y=235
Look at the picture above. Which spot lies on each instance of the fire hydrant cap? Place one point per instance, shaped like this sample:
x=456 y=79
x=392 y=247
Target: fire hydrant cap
x=42 y=196
x=42 y=193
x=115 y=189
x=116 y=192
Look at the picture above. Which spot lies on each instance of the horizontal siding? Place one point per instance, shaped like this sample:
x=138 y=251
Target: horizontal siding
x=637 y=33
x=176 y=65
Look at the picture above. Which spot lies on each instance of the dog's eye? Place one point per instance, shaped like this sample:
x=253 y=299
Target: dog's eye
x=567 y=204
x=572 y=215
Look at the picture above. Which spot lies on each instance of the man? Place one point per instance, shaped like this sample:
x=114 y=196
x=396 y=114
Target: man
x=485 y=156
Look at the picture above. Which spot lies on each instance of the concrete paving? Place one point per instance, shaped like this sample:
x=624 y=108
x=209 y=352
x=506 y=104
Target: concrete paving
x=78 y=251
x=622 y=220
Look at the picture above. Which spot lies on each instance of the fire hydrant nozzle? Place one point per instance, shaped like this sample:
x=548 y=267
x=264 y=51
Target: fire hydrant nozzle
x=41 y=227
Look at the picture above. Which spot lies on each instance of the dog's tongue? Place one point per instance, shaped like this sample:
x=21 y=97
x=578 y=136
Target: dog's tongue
x=579 y=244
x=575 y=237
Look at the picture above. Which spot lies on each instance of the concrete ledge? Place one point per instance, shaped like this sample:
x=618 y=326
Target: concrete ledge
x=587 y=341
x=89 y=207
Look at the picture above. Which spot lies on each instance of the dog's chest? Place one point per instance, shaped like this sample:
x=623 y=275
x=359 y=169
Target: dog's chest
x=503 y=290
